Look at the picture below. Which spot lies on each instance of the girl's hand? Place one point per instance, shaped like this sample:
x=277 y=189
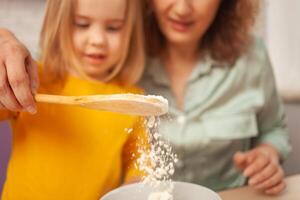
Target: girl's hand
x=261 y=166
x=18 y=75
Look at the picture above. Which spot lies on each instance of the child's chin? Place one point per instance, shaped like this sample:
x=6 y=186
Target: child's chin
x=97 y=72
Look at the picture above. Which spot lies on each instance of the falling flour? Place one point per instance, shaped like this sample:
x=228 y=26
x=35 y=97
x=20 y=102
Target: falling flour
x=157 y=162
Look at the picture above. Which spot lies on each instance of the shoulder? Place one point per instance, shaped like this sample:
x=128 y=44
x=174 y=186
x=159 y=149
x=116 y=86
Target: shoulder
x=45 y=85
x=78 y=85
x=255 y=61
x=256 y=57
x=116 y=87
x=133 y=89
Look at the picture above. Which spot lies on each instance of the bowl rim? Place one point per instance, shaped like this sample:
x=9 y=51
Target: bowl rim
x=175 y=182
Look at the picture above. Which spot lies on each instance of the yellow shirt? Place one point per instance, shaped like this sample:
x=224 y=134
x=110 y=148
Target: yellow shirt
x=68 y=152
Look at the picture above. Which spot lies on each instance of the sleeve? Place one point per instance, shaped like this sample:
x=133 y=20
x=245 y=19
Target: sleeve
x=136 y=145
x=271 y=118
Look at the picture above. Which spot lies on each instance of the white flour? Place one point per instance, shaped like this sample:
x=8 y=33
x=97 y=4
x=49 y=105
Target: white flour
x=158 y=163
x=160 y=196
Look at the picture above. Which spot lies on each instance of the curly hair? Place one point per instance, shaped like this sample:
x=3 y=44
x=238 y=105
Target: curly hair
x=227 y=38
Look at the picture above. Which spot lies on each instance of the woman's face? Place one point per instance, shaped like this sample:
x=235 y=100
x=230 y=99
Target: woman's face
x=184 y=22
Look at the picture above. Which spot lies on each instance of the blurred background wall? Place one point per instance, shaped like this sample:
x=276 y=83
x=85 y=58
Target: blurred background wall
x=282 y=36
x=278 y=25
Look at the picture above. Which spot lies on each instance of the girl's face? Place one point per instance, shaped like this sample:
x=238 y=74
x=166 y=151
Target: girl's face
x=184 y=22
x=98 y=28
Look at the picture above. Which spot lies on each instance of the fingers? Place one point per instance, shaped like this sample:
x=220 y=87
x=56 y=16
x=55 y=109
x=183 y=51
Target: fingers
x=32 y=70
x=272 y=181
x=15 y=77
x=252 y=155
x=19 y=80
x=265 y=174
x=7 y=98
x=1 y=106
x=240 y=159
x=260 y=162
x=276 y=189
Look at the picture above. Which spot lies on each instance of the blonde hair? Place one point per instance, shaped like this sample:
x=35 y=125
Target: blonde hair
x=57 y=52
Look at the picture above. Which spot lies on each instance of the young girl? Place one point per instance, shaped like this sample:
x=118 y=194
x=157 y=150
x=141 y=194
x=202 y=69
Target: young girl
x=221 y=91
x=65 y=152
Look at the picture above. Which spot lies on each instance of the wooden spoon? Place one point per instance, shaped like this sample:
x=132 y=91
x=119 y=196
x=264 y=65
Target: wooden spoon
x=122 y=103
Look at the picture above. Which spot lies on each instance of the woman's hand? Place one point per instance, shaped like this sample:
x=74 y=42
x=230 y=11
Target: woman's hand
x=261 y=166
x=18 y=75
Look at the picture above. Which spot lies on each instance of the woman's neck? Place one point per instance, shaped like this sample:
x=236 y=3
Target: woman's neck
x=178 y=55
x=179 y=63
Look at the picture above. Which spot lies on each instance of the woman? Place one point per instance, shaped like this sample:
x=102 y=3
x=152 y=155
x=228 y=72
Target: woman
x=221 y=89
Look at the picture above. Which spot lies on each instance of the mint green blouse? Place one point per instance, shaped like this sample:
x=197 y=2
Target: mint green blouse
x=226 y=109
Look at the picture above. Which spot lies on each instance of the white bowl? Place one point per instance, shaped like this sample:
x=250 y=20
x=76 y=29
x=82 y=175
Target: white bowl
x=182 y=191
